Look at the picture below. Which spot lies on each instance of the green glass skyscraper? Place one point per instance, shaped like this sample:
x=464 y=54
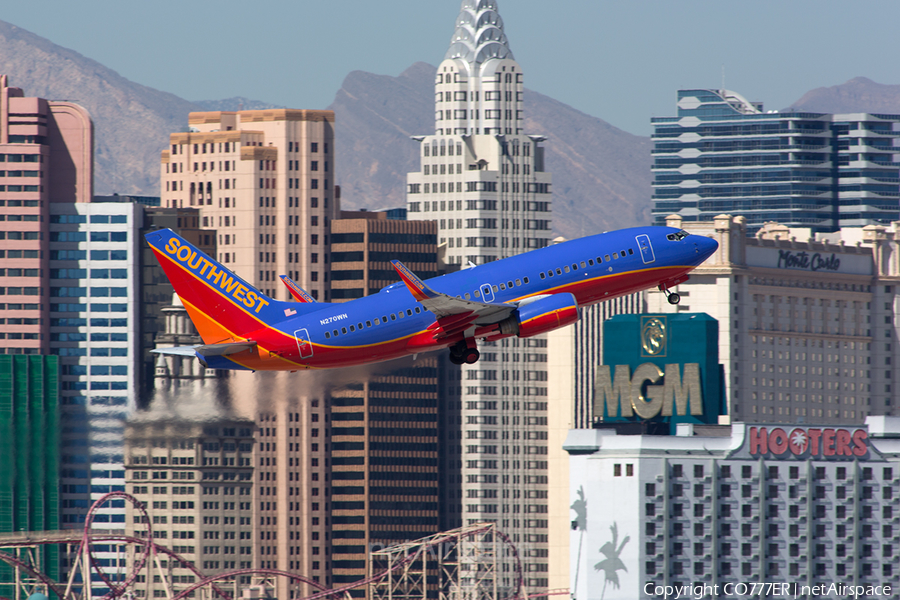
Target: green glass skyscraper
x=29 y=454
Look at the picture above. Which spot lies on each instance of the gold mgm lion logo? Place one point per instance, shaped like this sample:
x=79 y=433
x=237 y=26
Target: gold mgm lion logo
x=654 y=336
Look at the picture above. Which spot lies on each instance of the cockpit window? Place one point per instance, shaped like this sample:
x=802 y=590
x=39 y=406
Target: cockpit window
x=677 y=236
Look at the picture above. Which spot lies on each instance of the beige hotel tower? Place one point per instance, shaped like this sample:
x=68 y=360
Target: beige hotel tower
x=264 y=179
x=482 y=178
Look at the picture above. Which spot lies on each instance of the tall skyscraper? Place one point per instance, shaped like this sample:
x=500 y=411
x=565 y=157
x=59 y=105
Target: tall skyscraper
x=725 y=154
x=482 y=178
x=264 y=179
x=94 y=329
x=385 y=430
x=46 y=156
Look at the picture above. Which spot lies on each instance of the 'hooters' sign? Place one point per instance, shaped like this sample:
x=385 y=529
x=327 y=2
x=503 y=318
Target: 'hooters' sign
x=819 y=443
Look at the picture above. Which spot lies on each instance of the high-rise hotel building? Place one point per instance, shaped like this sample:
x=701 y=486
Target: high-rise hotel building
x=385 y=434
x=722 y=153
x=264 y=179
x=46 y=156
x=811 y=509
x=482 y=178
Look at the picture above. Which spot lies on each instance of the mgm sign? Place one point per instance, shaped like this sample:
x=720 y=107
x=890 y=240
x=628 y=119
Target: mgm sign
x=662 y=367
x=627 y=395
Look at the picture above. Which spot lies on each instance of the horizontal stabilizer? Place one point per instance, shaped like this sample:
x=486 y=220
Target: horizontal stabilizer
x=177 y=351
x=208 y=349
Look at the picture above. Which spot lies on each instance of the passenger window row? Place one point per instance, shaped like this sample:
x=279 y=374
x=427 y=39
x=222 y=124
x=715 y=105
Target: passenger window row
x=590 y=262
x=510 y=284
x=371 y=323
x=497 y=287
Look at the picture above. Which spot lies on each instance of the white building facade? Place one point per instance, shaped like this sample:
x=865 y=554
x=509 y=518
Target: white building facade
x=94 y=321
x=482 y=179
x=715 y=507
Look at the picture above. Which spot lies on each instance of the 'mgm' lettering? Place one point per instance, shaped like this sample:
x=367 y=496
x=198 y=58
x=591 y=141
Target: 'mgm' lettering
x=219 y=277
x=625 y=393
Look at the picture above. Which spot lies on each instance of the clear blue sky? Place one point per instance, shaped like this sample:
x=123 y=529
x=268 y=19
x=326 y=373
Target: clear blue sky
x=618 y=60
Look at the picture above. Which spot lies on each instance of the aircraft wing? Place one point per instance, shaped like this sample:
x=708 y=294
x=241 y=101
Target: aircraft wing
x=207 y=349
x=453 y=314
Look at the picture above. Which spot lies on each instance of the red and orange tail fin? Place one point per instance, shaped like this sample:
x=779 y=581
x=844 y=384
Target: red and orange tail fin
x=222 y=306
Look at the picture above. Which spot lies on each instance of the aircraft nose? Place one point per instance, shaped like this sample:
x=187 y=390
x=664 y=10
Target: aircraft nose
x=704 y=247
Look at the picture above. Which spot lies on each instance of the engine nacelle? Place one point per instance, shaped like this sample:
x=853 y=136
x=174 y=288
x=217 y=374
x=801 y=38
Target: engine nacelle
x=541 y=316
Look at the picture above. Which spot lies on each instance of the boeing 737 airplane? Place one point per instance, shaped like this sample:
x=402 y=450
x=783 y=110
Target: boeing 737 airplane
x=522 y=296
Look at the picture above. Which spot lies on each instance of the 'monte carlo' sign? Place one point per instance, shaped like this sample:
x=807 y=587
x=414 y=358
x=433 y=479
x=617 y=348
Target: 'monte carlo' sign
x=793 y=442
x=808 y=262
x=812 y=259
x=661 y=367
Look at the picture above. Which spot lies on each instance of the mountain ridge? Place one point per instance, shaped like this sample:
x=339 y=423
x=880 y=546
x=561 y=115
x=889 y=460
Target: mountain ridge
x=375 y=116
x=122 y=164
x=601 y=174
x=856 y=95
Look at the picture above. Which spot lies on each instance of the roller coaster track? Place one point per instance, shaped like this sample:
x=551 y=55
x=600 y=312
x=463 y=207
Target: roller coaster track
x=86 y=561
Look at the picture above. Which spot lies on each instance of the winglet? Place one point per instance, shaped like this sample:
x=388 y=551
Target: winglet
x=296 y=291
x=417 y=288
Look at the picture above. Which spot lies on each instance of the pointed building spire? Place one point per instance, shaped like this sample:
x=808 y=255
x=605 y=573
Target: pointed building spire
x=479 y=34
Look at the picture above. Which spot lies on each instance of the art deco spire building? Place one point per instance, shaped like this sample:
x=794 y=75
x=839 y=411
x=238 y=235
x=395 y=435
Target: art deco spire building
x=482 y=178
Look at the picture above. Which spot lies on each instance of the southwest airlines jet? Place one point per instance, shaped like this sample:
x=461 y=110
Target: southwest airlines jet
x=523 y=295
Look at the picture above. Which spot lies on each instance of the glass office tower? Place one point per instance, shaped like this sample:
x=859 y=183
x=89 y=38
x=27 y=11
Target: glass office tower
x=725 y=154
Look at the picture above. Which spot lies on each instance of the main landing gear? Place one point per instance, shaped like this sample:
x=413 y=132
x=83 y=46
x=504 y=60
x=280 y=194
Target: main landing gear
x=464 y=352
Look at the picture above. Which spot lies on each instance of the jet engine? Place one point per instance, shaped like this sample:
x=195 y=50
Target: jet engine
x=541 y=315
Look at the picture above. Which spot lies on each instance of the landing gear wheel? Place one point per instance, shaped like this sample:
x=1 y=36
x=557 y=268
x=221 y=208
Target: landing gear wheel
x=673 y=298
x=457 y=352
x=463 y=353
